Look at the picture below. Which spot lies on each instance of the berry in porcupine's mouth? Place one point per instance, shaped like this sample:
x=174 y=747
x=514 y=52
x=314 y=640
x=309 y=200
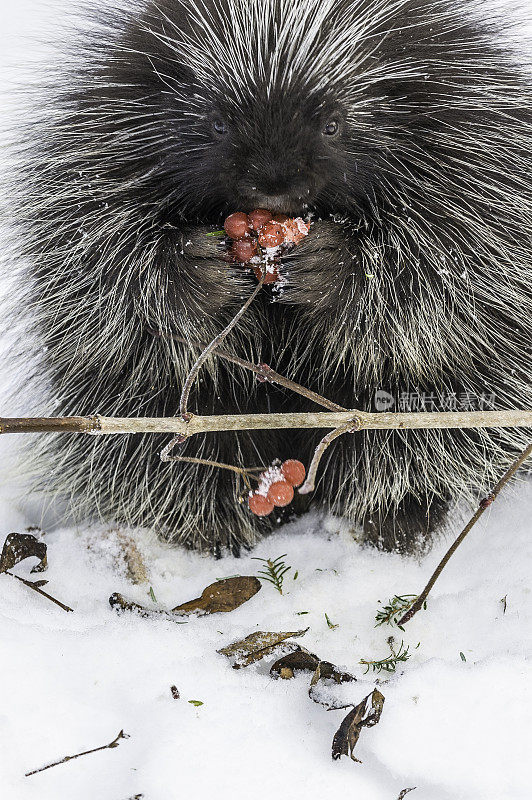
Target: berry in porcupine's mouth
x=260 y=238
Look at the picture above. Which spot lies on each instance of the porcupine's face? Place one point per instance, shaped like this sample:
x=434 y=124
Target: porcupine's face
x=277 y=153
x=247 y=122
x=285 y=152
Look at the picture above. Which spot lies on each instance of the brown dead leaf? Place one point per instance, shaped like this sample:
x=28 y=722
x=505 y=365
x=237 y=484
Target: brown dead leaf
x=257 y=645
x=19 y=546
x=119 y=603
x=222 y=596
x=348 y=733
x=299 y=660
x=302 y=660
x=327 y=671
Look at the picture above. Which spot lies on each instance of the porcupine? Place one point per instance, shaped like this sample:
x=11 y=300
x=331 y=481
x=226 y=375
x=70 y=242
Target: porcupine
x=402 y=129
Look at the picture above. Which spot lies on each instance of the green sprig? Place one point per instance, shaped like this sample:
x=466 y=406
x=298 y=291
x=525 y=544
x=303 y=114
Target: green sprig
x=391 y=613
x=274 y=571
x=390 y=663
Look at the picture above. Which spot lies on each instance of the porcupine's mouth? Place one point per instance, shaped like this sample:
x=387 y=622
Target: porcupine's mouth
x=290 y=204
x=280 y=204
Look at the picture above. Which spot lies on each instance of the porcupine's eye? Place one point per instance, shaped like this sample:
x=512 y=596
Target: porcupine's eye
x=219 y=127
x=332 y=128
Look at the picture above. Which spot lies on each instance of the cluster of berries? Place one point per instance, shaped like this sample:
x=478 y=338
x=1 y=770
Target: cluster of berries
x=261 y=229
x=276 y=487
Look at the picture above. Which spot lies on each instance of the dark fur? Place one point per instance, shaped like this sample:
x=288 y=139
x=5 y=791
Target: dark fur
x=177 y=178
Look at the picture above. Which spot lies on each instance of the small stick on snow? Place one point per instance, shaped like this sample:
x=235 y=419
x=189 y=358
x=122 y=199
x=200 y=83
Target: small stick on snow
x=109 y=746
x=37 y=588
x=484 y=504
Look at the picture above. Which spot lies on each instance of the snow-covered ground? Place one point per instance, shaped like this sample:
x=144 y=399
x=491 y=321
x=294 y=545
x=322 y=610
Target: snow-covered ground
x=455 y=729
x=452 y=728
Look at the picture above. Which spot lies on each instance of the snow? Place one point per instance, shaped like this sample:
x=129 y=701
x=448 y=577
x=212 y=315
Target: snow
x=451 y=728
x=456 y=730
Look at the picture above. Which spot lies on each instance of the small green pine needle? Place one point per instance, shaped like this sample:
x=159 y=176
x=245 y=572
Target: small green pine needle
x=330 y=624
x=274 y=571
x=196 y=702
x=152 y=594
x=391 y=613
x=388 y=664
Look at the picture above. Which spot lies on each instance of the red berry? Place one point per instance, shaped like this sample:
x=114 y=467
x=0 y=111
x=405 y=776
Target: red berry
x=281 y=493
x=260 y=505
x=271 y=275
x=293 y=471
x=295 y=230
x=237 y=225
x=258 y=218
x=280 y=218
x=243 y=250
x=272 y=235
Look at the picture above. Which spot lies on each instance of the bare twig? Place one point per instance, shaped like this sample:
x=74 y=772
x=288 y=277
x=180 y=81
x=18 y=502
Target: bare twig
x=484 y=504
x=308 y=486
x=98 y=425
x=263 y=371
x=109 y=746
x=243 y=471
x=37 y=588
x=192 y=375
x=90 y=424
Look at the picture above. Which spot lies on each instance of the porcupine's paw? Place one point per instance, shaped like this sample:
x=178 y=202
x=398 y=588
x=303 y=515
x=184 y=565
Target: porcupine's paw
x=201 y=277
x=321 y=271
x=407 y=529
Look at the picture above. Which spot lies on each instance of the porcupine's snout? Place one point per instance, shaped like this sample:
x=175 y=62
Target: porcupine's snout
x=283 y=193
x=282 y=181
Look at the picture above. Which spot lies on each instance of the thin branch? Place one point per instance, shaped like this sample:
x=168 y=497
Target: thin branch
x=192 y=375
x=244 y=472
x=263 y=371
x=308 y=486
x=484 y=504
x=50 y=424
x=112 y=744
x=208 y=463
x=98 y=425
x=37 y=588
